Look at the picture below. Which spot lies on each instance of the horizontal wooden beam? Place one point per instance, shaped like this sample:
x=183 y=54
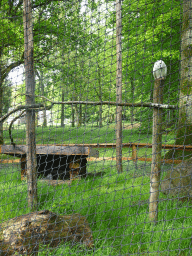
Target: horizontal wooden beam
x=145 y=159
x=49 y=150
x=6 y=161
x=11 y=161
x=130 y=144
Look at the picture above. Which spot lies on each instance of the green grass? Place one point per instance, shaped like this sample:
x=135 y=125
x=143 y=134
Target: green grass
x=115 y=206
x=90 y=134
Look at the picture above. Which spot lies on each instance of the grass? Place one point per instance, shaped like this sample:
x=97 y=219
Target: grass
x=115 y=206
x=90 y=134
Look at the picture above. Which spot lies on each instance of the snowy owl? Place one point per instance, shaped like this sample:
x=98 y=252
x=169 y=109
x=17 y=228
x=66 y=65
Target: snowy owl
x=159 y=69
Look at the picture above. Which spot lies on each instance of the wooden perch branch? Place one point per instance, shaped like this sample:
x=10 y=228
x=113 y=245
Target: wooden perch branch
x=20 y=107
x=41 y=106
x=96 y=103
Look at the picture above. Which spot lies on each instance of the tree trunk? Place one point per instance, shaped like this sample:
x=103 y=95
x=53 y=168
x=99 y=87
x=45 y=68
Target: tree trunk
x=1 y=109
x=62 y=109
x=80 y=115
x=100 y=116
x=44 y=118
x=132 y=99
x=36 y=119
x=30 y=99
x=118 y=88
x=72 y=117
x=76 y=115
x=84 y=118
x=100 y=98
x=42 y=87
x=43 y=94
x=184 y=129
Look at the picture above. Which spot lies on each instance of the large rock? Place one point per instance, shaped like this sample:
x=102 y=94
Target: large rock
x=23 y=235
x=178 y=181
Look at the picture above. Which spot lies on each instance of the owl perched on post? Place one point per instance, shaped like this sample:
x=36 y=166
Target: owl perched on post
x=159 y=70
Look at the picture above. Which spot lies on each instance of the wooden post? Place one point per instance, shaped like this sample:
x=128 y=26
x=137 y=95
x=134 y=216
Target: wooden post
x=118 y=88
x=156 y=151
x=134 y=153
x=30 y=114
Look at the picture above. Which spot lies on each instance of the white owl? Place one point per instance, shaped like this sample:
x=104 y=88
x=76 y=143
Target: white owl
x=159 y=69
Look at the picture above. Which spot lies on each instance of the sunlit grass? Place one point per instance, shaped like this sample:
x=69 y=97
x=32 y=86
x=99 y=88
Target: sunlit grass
x=91 y=134
x=116 y=207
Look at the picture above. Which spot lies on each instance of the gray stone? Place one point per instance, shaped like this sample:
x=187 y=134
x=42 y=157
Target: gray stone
x=178 y=181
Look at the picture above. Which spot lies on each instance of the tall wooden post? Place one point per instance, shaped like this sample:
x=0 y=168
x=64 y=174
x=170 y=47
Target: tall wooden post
x=30 y=99
x=159 y=71
x=119 y=87
x=156 y=152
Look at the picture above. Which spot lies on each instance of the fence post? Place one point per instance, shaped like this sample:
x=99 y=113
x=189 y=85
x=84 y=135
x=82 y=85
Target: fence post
x=119 y=88
x=159 y=72
x=30 y=99
x=134 y=153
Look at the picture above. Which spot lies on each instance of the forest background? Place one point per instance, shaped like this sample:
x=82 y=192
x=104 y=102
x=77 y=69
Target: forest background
x=75 y=57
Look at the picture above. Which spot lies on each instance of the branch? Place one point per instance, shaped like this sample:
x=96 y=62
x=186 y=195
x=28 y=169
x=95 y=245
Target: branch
x=10 y=126
x=40 y=107
x=20 y=108
x=12 y=66
x=96 y=103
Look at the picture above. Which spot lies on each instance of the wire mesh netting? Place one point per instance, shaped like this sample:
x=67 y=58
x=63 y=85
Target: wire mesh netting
x=95 y=127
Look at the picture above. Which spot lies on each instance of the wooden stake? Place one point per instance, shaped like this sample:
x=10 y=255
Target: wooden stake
x=119 y=88
x=156 y=152
x=30 y=99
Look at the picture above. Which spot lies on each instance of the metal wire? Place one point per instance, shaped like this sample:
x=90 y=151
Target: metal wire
x=95 y=127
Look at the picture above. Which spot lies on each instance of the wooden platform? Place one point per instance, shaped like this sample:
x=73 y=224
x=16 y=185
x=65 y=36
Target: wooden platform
x=66 y=150
x=62 y=162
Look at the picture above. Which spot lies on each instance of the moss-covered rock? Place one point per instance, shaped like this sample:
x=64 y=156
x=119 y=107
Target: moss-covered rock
x=23 y=235
x=178 y=181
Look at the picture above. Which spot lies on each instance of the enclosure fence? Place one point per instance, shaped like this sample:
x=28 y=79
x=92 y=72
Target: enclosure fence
x=95 y=127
